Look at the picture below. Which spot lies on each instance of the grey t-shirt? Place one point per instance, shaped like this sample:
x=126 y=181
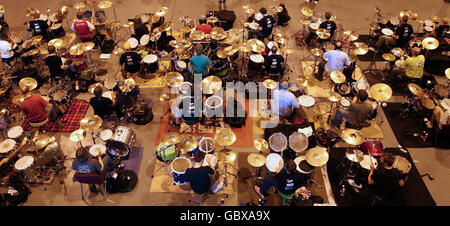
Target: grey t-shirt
x=359 y=112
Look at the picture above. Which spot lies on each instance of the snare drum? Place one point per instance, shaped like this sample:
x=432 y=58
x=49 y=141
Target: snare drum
x=402 y=164
x=144 y=40
x=108 y=94
x=7 y=145
x=273 y=161
x=106 y=135
x=16 y=133
x=256 y=62
x=306 y=101
x=185 y=87
x=97 y=149
x=151 y=63
x=110 y=83
x=24 y=165
x=313 y=27
x=365 y=164
x=125 y=135
x=166 y=153
x=372 y=147
x=342 y=88
x=213 y=107
x=179 y=167
x=45 y=90
x=344 y=104
x=180 y=66
x=360 y=85
x=207 y=145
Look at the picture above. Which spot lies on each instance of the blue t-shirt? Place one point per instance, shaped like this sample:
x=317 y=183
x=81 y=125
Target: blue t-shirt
x=200 y=63
x=283 y=101
x=336 y=60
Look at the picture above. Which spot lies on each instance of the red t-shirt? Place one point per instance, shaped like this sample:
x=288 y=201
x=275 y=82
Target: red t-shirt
x=34 y=108
x=206 y=28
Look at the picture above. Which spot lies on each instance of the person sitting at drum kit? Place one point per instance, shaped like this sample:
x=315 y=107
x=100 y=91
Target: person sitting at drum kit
x=200 y=63
x=284 y=102
x=274 y=63
x=286 y=181
x=335 y=61
x=359 y=111
x=199 y=175
x=441 y=115
x=6 y=49
x=266 y=24
x=140 y=28
x=404 y=32
x=55 y=64
x=206 y=28
x=103 y=106
x=442 y=30
x=83 y=28
x=34 y=108
x=413 y=65
x=328 y=24
x=38 y=26
x=131 y=60
x=283 y=16
x=386 y=181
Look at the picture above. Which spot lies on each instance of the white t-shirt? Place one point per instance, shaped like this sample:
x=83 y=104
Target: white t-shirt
x=5 y=49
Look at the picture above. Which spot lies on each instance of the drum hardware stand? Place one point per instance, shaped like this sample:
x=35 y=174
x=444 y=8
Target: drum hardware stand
x=165 y=165
x=226 y=174
x=312 y=179
x=372 y=66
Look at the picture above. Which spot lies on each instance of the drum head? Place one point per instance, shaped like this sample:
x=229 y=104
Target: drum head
x=97 y=149
x=305 y=167
x=362 y=85
x=213 y=102
x=24 y=162
x=180 y=165
x=106 y=134
x=257 y=58
x=44 y=90
x=207 y=145
x=273 y=161
x=15 y=132
x=60 y=95
x=306 y=101
x=314 y=26
x=365 y=163
x=298 y=142
x=110 y=83
x=151 y=58
x=117 y=149
x=402 y=164
x=298 y=160
x=133 y=42
x=278 y=142
x=108 y=94
x=345 y=102
x=144 y=40
x=7 y=145
x=181 y=64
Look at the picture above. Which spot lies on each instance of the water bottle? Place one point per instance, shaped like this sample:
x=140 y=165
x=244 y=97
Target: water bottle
x=222 y=202
x=342 y=191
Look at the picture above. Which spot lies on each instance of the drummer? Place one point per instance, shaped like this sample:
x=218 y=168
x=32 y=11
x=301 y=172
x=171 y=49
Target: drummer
x=131 y=60
x=206 y=28
x=83 y=28
x=328 y=24
x=55 y=64
x=274 y=63
x=286 y=181
x=34 y=108
x=284 y=101
x=336 y=59
x=413 y=65
x=4 y=26
x=6 y=49
x=140 y=28
x=360 y=111
x=443 y=29
x=104 y=106
x=266 y=24
x=283 y=16
x=199 y=176
x=404 y=32
x=441 y=114
x=38 y=26
x=200 y=63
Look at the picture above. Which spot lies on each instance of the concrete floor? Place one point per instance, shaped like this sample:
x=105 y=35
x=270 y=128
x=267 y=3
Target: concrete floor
x=353 y=14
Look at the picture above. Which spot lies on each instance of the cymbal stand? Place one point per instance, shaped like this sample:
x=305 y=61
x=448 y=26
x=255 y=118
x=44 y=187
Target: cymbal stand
x=372 y=66
x=311 y=179
x=165 y=165
x=226 y=173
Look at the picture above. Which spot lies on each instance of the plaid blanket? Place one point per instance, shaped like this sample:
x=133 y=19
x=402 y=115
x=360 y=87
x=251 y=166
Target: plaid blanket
x=68 y=122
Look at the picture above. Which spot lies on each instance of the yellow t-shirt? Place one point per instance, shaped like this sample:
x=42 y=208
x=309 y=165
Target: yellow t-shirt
x=414 y=66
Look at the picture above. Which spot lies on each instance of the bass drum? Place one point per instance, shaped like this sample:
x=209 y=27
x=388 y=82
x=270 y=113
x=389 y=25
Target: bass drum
x=124 y=135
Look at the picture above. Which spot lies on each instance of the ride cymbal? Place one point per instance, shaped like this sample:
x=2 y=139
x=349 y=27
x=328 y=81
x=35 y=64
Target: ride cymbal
x=225 y=137
x=256 y=160
x=270 y=84
x=171 y=138
x=104 y=4
x=323 y=33
x=430 y=43
x=317 y=156
x=226 y=155
x=257 y=45
x=352 y=136
x=29 y=82
x=174 y=79
x=218 y=33
x=42 y=140
x=334 y=97
x=359 y=48
x=415 y=89
x=337 y=77
x=211 y=84
x=380 y=92
x=261 y=144
x=197 y=35
x=90 y=123
x=388 y=57
x=350 y=36
x=307 y=11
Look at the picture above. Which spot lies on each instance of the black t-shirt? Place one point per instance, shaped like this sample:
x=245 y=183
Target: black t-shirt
x=273 y=63
x=442 y=30
x=54 y=65
x=329 y=25
x=140 y=30
x=386 y=181
x=199 y=178
x=267 y=23
x=404 y=32
x=102 y=106
x=189 y=112
x=132 y=61
x=39 y=27
x=288 y=183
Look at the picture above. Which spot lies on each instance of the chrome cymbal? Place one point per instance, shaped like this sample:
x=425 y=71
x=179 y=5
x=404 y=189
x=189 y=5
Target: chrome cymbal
x=317 y=156
x=380 y=92
x=260 y=144
x=42 y=140
x=257 y=45
x=90 y=123
x=187 y=143
x=256 y=160
x=352 y=136
x=225 y=137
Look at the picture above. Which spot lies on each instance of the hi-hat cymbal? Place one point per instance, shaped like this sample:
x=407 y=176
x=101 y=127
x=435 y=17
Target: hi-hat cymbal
x=29 y=82
x=31 y=53
x=197 y=35
x=90 y=123
x=187 y=143
x=307 y=11
x=42 y=140
x=247 y=9
x=225 y=137
x=323 y=33
x=221 y=54
x=174 y=79
x=337 y=77
x=257 y=45
x=334 y=97
x=270 y=84
x=211 y=84
x=218 y=33
x=305 y=21
x=212 y=19
x=430 y=43
x=354 y=155
x=388 y=57
x=352 y=136
x=380 y=92
x=298 y=141
x=350 y=36
x=317 y=156
x=93 y=86
x=161 y=11
x=415 y=89
x=427 y=103
x=171 y=139
x=245 y=47
x=359 y=48
x=104 y=4
x=256 y=160
x=57 y=43
x=447 y=73
x=166 y=26
x=260 y=144
x=316 y=52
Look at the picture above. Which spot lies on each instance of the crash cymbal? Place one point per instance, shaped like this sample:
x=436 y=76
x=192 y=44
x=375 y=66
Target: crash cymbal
x=225 y=137
x=93 y=86
x=387 y=31
x=245 y=47
x=76 y=49
x=212 y=19
x=427 y=103
x=31 y=53
x=316 y=52
x=104 y=4
x=260 y=144
x=32 y=41
x=79 y=5
x=352 y=136
x=398 y=52
x=415 y=89
x=441 y=90
x=166 y=26
x=354 y=155
x=447 y=73
x=87 y=46
x=42 y=140
x=247 y=9
x=323 y=33
x=128 y=85
x=430 y=43
x=270 y=84
x=298 y=141
x=90 y=123
x=337 y=77
x=128 y=24
x=257 y=45
x=197 y=35
x=388 y=57
x=221 y=54
x=118 y=50
x=380 y=92
x=231 y=50
x=57 y=43
x=161 y=11
x=307 y=11
x=174 y=79
x=171 y=139
x=350 y=36
x=155 y=35
x=17 y=99
x=256 y=160
x=334 y=97
x=211 y=84
x=226 y=155
x=359 y=48
x=317 y=156
x=305 y=21
x=218 y=33
x=29 y=82
x=187 y=143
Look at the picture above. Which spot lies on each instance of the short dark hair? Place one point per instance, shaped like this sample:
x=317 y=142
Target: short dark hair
x=25 y=90
x=405 y=18
x=137 y=20
x=388 y=158
x=338 y=45
x=199 y=156
x=79 y=15
x=98 y=91
x=274 y=49
x=291 y=167
x=198 y=49
x=82 y=154
x=327 y=15
x=202 y=20
x=362 y=95
x=263 y=10
x=51 y=49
